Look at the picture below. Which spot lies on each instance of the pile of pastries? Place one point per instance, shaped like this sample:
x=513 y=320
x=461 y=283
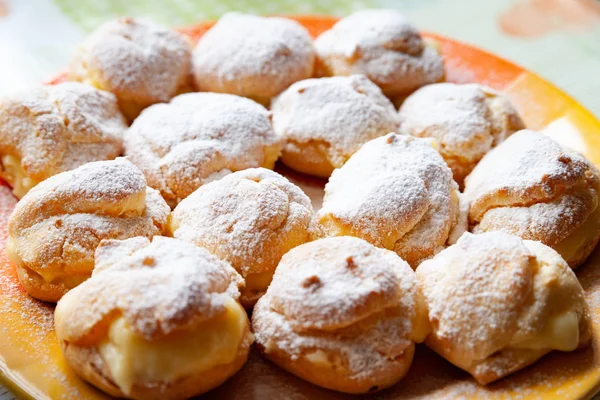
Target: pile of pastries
x=444 y=222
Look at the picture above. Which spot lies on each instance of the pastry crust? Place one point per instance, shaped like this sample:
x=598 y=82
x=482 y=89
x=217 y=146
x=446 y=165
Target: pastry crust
x=396 y=192
x=199 y=137
x=140 y=62
x=322 y=122
x=342 y=314
x=465 y=120
x=250 y=218
x=253 y=56
x=55 y=229
x=532 y=187
x=52 y=129
x=498 y=303
x=384 y=46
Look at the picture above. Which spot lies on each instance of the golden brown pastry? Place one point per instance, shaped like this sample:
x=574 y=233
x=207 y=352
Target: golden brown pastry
x=532 y=187
x=250 y=218
x=342 y=314
x=55 y=228
x=140 y=62
x=498 y=303
x=384 y=46
x=396 y=192
x=157 y=320
x=322 y=122
x=52 y=129
x=199 y=137
x=252 y=56
x=465 y=120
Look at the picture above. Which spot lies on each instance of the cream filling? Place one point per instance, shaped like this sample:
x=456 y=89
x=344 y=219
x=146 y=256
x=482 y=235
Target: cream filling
x=14 y=174
x=560 y=333
x=133 y=359
x=576 y=241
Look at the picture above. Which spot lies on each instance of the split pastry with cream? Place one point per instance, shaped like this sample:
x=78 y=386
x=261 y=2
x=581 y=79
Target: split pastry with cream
x=157 y=320
x=140 y=62
x=55 y=228
x=199 y=137
x=342 y=314
x=52 y=129
x=396 y=192
x=533 y=187
x=322 y=122
x=466 y=121
x=498 y=303
x=250 y=218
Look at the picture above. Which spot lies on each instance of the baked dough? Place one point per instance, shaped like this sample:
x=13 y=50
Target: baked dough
x=322 y=122
x=342 y=314
x=250 y=218
x=396 y=192
x=55 y=229
x=157 y=320
x=199 y=137
x=532 y=187
x=384 y=46
x=465 y=120
x=252 y=56
x=140 y=62
x=52 y=129
x=498 y=303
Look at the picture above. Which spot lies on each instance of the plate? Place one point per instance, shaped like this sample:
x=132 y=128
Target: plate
x=32 y=366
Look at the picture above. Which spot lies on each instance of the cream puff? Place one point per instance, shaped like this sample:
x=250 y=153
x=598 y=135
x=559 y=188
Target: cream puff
x=250 y=218
x=55 y=228
x=52 y=129
x=253 y=56
x=498 y=303
x=157 y=320
x=322 y=122
x=199 y=137
x=140 y=62
x=396 y=192
x=466 y=121
x=342 y=314
x=384 y=46
x=532 y=187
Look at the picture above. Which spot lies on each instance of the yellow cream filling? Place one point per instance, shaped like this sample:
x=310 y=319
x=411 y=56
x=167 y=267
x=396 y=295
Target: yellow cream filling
x=14 y=174
x=560 y=333
x=575 y=242
x=258 y=282
x=132 y=359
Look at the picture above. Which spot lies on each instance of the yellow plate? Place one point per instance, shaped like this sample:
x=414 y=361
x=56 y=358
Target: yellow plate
x=32 y=366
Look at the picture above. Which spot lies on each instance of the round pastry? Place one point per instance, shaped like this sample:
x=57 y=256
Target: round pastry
x=466 y=121
x=52 y=129
x=199 y=137
x=498 y=303
x=384 y=46
x=140 y=62
x=55 y=229
x=396 y=192
x=250 y=218
x=532 y=187
x=342 y=314
x=322 y=122
x=252 y=56
x=156 y=320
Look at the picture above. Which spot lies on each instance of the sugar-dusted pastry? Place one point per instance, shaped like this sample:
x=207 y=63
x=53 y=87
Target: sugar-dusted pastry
x=465 y=120
x=498 y=303
x=55 y=228
x=250 y=218
x=532 y=187
x=342 y=314
x=322 y=122
x=396 y=192
x=140 y=62
x=52 y=129
x=157 y=320
x=253 y=56
x=199 y=137
x=384 y=46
